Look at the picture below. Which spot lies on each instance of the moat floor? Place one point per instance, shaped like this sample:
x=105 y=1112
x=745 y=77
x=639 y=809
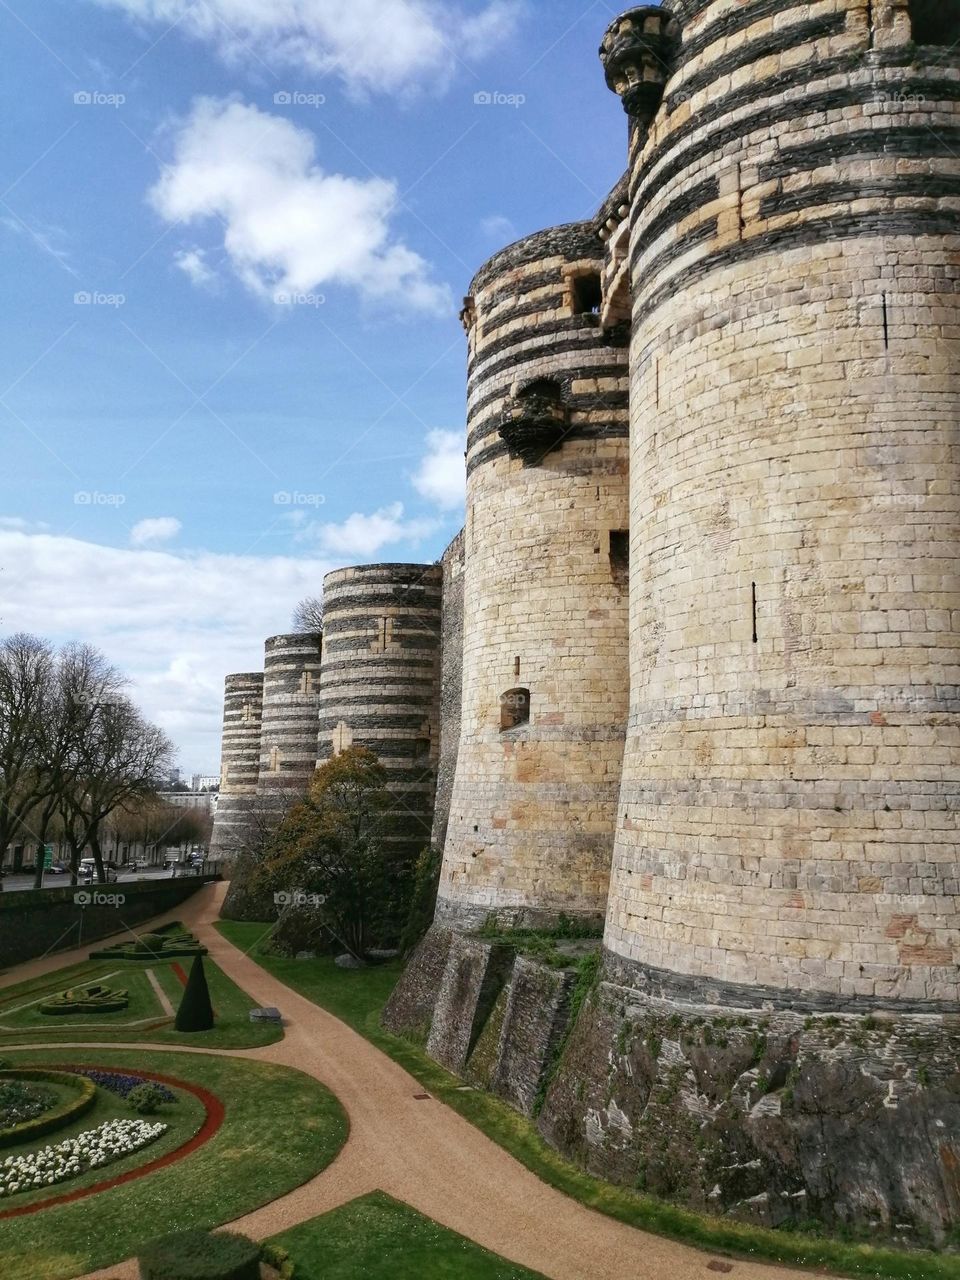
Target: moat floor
x=418 y=1151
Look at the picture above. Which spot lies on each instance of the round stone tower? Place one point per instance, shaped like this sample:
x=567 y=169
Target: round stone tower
x=240 y=760
x=775 y=1036
x=545 y=589
x=288 y=735
x=380 y=684
x=789 y=807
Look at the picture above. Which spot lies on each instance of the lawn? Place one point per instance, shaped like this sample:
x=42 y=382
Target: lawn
x=144 y=1019
x=357 y=997
x=380 y=1239
x=281 y=1128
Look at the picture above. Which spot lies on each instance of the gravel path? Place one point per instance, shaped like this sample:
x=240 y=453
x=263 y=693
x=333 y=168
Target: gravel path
x=420 y=1152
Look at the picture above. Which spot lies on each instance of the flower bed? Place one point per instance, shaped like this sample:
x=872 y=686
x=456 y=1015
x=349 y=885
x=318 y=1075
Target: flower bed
x=120 y=1084
x=20 y=1101
x=85 y=1095
x=93 y=1149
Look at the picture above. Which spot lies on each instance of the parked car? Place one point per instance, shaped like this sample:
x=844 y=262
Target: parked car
x=141 y=864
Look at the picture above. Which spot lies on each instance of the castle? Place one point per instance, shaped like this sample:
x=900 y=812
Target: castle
x=703 y=623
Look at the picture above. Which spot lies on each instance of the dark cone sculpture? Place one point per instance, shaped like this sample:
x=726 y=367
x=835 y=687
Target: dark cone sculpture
x=196 y=1011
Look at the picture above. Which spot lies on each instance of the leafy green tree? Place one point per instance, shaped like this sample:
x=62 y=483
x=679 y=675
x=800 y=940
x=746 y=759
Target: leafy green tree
x=332 y=850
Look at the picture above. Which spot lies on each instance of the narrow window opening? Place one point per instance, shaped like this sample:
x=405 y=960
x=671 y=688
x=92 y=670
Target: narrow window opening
x=753 y=602
x=587 y=294
x=871 y=22
x=886 y=324
x=421 y=749
x=620 y=556
x=934 y=22
x=516 y=667
x=514 y=708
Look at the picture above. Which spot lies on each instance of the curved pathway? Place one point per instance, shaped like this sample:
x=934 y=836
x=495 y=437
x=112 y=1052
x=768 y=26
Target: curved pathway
x=419 y=1152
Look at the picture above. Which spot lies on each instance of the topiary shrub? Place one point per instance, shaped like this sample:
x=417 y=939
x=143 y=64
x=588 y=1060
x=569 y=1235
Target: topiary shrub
x=168 y=944
x=200 y=1255
x=92 y=998
x=274 y=1255
x=153 y=943
x=147 y=1098
x=196 y=1011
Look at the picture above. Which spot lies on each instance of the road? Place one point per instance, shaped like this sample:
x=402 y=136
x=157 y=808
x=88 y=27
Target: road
x=11 y=883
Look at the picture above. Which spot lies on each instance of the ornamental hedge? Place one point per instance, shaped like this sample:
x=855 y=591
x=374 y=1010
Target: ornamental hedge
x=56 y=1117
x=200 y=1255
x=170 y=944
x=91 y=998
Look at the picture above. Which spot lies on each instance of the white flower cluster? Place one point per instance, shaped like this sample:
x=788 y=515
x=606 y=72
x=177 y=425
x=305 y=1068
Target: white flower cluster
x=110 y=1141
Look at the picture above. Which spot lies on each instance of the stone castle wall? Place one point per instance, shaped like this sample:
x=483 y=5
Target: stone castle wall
x=451 y=684
x=544 y=612
x=772 y=1034
x=380 y=684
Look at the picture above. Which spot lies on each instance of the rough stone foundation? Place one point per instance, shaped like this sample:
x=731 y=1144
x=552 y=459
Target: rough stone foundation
x=773 y=1117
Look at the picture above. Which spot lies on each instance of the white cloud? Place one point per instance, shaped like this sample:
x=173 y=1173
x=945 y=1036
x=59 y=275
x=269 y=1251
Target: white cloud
x=499 y=228
x=360 y=536
x=374 y=46
x=441 y=477
x=159 y=529
x=289 y=226
x=177 y=624
x=192 y=262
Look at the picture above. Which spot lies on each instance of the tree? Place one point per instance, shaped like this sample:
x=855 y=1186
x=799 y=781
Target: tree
x=333 y=846
x=308 y=616
x=27 y=679
x=196 y=1011
x=120 y=758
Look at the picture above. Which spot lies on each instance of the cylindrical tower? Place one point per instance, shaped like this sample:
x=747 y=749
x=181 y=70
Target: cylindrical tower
x=545 y=589
x=288 y=735
x=788 y=819
x=380 y=684
x=240 y=760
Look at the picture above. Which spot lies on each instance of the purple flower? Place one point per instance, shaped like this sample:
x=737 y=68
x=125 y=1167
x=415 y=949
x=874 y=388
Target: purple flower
x=121 y=1085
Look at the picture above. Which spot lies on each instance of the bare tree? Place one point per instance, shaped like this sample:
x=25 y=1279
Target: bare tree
x=27 y=678
x=121 y=758
x=308 y=616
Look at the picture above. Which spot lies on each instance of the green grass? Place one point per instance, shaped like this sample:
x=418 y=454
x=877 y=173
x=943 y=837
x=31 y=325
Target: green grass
x=281 y=1128
x=380 y=1239
x=183 y=1119
x=233 y=1029
x=357 y=997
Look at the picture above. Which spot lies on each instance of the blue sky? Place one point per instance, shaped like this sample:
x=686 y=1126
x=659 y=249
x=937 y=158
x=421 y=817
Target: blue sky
x=234 y=236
